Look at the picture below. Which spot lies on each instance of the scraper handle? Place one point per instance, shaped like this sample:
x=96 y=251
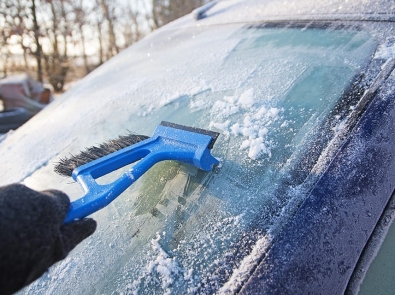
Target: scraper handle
x=166 y=144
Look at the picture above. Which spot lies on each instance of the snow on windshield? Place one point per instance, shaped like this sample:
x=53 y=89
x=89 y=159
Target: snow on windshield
x=254 y=129
x=177 y=230
x=386 y=51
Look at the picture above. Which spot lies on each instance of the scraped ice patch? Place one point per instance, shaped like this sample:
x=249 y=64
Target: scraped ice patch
x=224 y=109
x=145 y=112
x=167 y=99
x=242 y=273
x=256 y=147
x=221 y=126
x=230 y=99
x=340 y=126
x=236 y=129
x=165 y=266
x=63 y=269
x=255 y=126
x=133 y=288
x=198 y=105
x=247 y=98
x=385 y=51
x=273 y=112
x=235 y=220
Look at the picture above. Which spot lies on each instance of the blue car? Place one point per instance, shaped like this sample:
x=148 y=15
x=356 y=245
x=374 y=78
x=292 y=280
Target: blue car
x=302 y=94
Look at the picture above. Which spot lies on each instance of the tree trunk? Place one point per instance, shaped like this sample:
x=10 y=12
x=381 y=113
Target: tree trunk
x=111 y=33
x=84 y=56
x=55 y=33
x=101 y=55
x=65 y=31
x=24 y=54
x=36 y=38
x=5 y=63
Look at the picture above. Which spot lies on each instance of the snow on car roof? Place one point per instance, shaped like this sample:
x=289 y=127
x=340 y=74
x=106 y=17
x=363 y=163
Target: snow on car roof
x=227 y=11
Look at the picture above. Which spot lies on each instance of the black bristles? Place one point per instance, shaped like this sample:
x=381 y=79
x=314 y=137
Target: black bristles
x=65 y=166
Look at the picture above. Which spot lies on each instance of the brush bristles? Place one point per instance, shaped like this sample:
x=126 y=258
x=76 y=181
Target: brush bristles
x=65 y=166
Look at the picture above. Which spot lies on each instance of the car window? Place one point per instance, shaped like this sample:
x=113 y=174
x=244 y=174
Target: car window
x=278 y=94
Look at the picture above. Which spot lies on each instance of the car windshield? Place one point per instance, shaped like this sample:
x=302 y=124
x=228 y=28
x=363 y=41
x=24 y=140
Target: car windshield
x=279 y=94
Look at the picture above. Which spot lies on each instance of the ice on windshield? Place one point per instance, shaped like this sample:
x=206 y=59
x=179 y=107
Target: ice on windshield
x=177 y=230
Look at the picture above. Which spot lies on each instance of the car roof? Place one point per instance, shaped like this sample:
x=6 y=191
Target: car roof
x=232 y=11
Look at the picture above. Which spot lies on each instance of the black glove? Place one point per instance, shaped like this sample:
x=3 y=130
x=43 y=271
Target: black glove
x=32 y=234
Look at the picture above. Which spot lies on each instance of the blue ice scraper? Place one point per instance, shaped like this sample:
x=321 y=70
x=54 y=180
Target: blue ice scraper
x=169 y=142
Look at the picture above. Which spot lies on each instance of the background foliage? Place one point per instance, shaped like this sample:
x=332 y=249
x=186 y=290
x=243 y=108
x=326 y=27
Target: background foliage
x=57 y=41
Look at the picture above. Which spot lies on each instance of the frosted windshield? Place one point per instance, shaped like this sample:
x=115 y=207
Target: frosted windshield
x=271 y=92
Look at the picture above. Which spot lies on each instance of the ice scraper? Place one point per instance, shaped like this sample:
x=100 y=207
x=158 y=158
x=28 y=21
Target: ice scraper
x=169 y=142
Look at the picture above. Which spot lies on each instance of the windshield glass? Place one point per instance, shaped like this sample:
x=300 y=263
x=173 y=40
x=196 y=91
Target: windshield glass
x=278 y=94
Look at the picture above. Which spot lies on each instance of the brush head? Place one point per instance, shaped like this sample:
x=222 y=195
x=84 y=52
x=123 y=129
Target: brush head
x=66 y=165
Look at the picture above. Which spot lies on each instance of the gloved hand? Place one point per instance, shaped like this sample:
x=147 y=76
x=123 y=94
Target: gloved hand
x=32 y=234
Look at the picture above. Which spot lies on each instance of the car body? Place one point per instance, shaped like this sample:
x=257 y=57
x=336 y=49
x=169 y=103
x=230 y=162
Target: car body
x=302 y=94
x=20 y=99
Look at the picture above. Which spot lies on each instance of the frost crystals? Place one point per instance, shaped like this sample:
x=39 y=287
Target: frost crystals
x=255 y=125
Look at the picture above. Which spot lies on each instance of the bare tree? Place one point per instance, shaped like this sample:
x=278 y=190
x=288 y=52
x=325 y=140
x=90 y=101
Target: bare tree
x=20 y=28
x=150 y=19
x=65 y=27
x=5 y=34
x=98 y=23
x=110 y=18
x=81 y=20
x=13 y=14
x=5 y=56
x=56 y=62
x=49 y=32
x=36 y=31
x=131 y=24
